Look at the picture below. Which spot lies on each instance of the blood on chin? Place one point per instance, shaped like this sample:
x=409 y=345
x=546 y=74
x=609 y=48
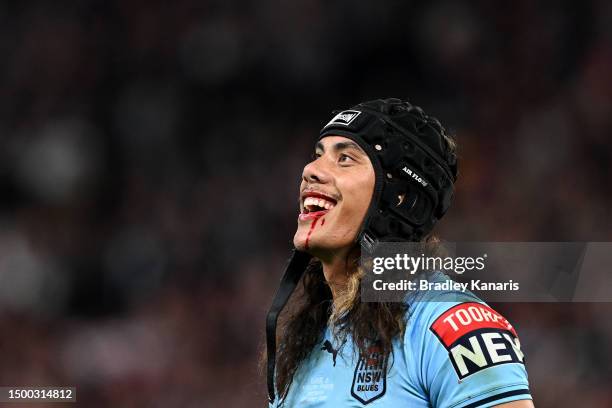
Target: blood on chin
x=314 y=217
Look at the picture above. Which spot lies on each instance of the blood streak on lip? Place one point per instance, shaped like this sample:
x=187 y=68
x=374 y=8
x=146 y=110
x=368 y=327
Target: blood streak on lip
x=312 y=227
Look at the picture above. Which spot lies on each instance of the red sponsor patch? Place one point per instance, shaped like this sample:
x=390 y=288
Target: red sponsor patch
x=467 y=317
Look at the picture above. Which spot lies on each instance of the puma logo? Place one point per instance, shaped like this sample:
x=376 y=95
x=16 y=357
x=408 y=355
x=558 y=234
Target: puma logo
x=327 y=346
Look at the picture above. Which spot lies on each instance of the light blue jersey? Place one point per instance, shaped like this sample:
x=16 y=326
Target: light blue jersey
x=456 y=352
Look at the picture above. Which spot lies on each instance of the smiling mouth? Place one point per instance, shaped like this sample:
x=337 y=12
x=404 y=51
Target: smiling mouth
x=316 y=205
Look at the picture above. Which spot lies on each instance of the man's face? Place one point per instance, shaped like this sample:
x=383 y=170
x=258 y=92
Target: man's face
x=335 y=194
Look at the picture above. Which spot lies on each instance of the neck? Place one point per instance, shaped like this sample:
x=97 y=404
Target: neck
x=337 y=267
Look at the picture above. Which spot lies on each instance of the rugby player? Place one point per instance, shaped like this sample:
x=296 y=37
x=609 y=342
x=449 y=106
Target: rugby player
x=382 y=171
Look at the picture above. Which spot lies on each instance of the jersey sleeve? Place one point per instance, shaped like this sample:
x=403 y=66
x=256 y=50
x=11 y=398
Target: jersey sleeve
x=466 y=354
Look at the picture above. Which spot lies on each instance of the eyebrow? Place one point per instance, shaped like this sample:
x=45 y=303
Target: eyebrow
x=342 y=146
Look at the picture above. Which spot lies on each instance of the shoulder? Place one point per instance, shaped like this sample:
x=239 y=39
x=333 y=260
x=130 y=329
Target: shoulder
x=460 y=348
x=456 y=321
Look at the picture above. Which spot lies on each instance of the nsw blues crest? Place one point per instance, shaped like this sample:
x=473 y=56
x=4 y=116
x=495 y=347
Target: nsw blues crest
x=370 y=378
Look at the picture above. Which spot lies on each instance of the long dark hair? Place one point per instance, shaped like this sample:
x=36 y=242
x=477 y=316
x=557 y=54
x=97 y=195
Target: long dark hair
x=310 y=310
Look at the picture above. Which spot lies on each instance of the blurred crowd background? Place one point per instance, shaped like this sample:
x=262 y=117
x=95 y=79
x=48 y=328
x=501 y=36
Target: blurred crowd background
x=150 y=154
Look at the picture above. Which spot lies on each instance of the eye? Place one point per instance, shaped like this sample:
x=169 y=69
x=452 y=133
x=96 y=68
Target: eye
x=345 y=158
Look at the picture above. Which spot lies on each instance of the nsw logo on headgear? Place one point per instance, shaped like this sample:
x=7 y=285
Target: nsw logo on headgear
x=344 y=118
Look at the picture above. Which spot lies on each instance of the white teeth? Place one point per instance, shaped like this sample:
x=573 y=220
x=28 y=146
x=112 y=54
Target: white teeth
x=318 y=202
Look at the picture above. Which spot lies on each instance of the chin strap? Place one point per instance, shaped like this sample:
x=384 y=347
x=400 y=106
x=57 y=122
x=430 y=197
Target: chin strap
x=296 y=267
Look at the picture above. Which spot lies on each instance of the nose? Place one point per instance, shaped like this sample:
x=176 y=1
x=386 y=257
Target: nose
x=315 y=173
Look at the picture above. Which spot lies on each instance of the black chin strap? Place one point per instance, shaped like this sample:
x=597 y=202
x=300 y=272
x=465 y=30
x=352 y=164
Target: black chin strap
x=293 y=273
